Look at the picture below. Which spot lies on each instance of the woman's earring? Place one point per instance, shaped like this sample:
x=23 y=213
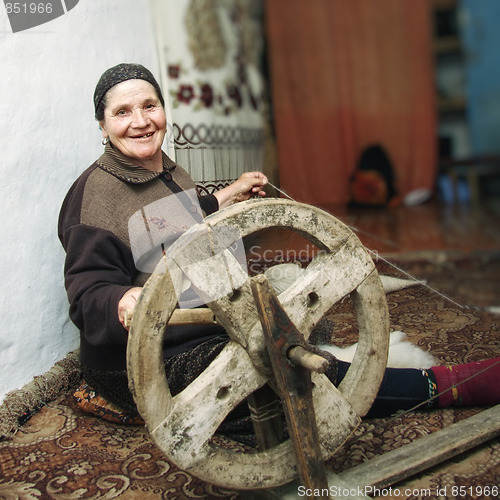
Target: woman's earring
x=105 y=141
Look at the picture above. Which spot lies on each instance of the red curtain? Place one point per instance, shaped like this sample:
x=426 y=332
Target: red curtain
x=347 y=74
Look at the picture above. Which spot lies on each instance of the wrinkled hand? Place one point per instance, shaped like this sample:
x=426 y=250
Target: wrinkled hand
x=249 y=184
x=127 y=304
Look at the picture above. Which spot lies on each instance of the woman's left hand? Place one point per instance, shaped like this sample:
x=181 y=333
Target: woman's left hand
x=249 y=184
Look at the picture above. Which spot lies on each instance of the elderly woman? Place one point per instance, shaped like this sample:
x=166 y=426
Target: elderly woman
x=103 y=280
x=101 y=277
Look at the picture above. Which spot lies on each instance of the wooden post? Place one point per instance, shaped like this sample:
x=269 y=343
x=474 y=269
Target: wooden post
x=294 y=385
x=266 y=412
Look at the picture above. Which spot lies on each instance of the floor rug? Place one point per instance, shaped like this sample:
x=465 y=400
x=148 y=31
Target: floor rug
x=63 y=453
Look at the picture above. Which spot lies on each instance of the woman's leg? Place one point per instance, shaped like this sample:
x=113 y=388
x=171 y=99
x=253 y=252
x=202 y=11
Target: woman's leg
x=401 y=389
x=471 y=384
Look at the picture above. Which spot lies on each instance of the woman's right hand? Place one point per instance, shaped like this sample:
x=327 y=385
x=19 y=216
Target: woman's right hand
x=126 y=306
x=247 y=185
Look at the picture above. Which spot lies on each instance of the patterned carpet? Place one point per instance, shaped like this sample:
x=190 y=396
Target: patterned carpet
x=62 y=453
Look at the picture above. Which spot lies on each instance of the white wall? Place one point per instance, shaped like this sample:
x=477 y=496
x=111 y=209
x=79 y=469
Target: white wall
x=48 y=135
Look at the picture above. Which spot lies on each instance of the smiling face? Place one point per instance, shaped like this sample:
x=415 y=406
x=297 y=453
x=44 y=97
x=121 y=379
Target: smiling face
x=135 y=122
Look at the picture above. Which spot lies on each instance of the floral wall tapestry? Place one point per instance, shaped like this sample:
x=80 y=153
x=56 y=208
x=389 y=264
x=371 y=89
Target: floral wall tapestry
x=210 y=54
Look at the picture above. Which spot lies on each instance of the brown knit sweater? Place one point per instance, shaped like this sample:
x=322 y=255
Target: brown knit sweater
x=99 y=267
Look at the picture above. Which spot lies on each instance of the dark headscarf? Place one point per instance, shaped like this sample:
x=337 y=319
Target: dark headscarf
x=117 y=74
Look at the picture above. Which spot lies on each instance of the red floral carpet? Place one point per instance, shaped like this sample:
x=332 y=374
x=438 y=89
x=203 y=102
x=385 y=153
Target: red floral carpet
x=62 y=453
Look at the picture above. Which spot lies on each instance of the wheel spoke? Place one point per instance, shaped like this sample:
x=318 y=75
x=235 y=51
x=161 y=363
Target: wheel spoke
x=332 y=277
x=200 y=408
x=210 y=258
x=335 y=417
x=204 y=256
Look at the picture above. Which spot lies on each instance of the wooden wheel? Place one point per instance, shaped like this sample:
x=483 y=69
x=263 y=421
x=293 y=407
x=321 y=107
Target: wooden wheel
x=182 y=426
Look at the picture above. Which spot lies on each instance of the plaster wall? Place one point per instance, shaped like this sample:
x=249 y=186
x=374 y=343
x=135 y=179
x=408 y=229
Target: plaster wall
x=48 y=136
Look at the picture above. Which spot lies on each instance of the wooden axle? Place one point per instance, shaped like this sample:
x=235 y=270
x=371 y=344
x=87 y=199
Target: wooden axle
x=203 y=315
x=200 y=316
x=301 y=357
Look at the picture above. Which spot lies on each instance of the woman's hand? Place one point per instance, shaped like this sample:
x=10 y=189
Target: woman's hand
x=126 y=306
x=249 y=184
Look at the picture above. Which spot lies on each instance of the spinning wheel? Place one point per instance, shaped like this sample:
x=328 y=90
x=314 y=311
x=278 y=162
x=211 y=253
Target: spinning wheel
x=182 y=426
